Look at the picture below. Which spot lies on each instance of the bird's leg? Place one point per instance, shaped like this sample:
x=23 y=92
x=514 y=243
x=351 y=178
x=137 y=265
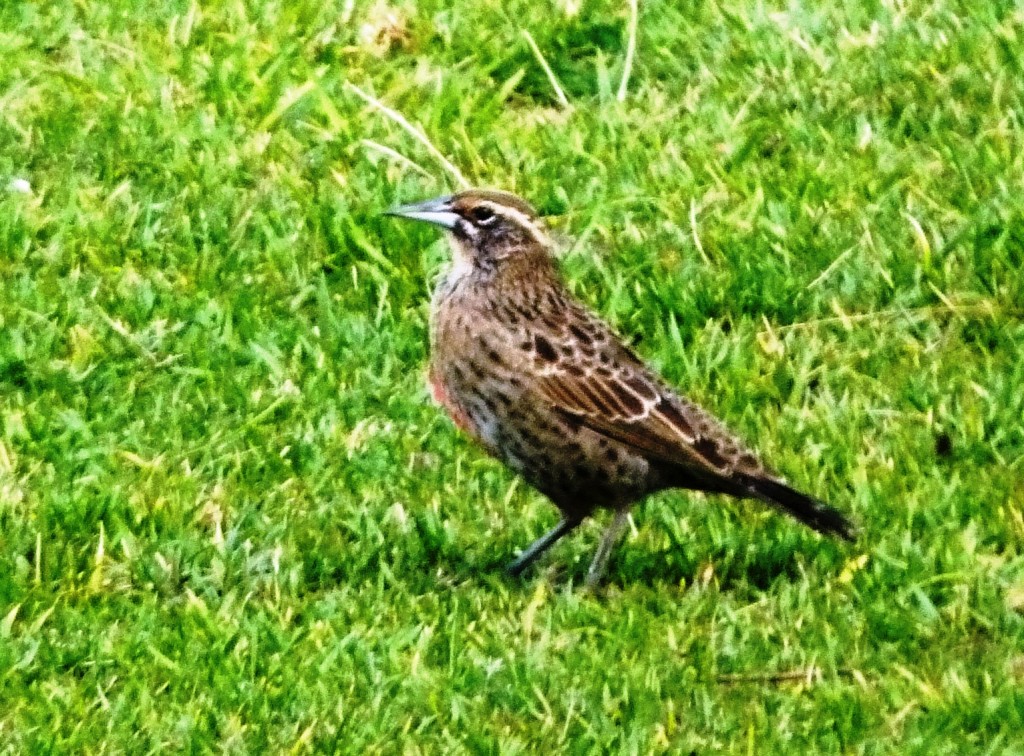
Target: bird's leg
x=542 y=544
x=611 y=536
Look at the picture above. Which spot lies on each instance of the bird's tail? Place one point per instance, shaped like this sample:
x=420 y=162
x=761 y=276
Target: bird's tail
x=810 y=511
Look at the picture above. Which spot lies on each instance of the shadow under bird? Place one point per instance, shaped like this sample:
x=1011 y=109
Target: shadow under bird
x=550 y=390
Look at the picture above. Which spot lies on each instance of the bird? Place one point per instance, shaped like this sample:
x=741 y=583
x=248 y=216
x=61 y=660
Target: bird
x=548 y=388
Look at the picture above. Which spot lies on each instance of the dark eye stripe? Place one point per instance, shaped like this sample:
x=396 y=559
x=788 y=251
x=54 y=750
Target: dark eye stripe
x=482 y=214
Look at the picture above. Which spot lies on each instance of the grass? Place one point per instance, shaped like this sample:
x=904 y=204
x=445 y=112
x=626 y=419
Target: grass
x=230 y=518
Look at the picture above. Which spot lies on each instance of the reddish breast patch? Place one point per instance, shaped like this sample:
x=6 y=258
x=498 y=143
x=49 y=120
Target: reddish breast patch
x=440 y=395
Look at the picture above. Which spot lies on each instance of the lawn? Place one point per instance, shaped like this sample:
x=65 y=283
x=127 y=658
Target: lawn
x=231 y=519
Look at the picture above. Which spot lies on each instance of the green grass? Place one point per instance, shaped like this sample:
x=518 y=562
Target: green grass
x=230 y=518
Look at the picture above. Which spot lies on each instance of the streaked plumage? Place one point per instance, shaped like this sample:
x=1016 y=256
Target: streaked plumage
x=549 y=389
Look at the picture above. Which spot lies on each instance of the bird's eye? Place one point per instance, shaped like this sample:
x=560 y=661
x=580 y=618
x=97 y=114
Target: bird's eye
x=482 y=214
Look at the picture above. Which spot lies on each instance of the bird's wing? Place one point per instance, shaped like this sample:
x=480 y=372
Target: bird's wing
x=585 y=371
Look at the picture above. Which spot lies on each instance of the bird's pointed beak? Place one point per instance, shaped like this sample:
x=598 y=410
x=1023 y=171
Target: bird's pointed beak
x=437 y=211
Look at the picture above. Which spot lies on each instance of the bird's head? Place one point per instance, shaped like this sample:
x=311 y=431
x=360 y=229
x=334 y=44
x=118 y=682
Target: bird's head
x=486 y=227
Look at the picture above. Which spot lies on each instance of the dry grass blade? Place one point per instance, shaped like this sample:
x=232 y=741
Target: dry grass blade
x=395 y=155
x=808 y=675
x=627 y=67
x=559 y=92
x=413 y=130
x=696 y=236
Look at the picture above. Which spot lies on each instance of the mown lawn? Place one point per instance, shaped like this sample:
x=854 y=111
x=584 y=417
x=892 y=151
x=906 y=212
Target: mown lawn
x=230 y=517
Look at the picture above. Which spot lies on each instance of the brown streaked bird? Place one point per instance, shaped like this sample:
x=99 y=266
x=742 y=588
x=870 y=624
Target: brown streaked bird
x=551 y=391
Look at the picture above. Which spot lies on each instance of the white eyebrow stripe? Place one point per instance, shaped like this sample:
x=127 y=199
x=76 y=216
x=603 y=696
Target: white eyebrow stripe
x=521 y=219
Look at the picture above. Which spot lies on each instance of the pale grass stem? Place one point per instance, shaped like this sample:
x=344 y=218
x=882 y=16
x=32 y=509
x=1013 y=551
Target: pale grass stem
x=627 y=66
x=395 y=155
x=559 y=92
x=413 y=130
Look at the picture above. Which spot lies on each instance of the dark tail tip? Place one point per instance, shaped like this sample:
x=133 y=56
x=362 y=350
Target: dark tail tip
x=810 y=511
